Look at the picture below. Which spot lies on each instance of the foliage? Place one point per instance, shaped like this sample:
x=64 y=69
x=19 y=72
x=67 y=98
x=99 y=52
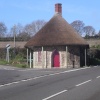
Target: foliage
x=17 y=58
x=96 y=47
x=94 y=53
x=19 y=61
x=20 y=65
x=17 y=38
x=94 y=56
x=3 y=62
x=92 y=37
x=2 y=53
x=94 y=61
x=89 y=30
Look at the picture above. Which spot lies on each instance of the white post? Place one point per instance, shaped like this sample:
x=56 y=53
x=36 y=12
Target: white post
x=46 y=59
x=42 y=59
x=66 y=56
x=30 y=59
x=8 y=55
x=33 y=60
x=85 y=58
x=34 y=53
x=27 y=56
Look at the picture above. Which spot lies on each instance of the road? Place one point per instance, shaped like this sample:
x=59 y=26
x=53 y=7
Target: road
x=49 y=84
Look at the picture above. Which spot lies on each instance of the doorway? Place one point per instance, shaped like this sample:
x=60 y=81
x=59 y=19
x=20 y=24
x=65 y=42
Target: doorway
x=55 y=59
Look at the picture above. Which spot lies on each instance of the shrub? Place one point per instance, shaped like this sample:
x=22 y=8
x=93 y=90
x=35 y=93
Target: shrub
x=17 y=57
x=94 y=61
x=94 y=53
x=21 y=65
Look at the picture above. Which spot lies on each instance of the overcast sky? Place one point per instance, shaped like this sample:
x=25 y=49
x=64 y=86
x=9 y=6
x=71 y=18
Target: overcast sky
x=25 y=11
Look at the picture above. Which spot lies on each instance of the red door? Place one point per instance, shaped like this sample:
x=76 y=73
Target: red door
x=56 y=62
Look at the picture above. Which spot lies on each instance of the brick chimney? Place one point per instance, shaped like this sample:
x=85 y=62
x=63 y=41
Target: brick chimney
x=58 y=8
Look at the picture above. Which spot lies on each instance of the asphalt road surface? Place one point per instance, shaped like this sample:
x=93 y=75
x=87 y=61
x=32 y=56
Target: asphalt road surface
x=49 y=84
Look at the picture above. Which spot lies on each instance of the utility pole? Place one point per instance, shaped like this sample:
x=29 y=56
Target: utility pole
x=14 y=34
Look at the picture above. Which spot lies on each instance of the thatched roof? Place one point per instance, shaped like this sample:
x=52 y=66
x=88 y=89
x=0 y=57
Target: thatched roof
x=56 y=32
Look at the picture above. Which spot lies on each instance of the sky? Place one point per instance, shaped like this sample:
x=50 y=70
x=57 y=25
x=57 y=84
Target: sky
x=26 y=11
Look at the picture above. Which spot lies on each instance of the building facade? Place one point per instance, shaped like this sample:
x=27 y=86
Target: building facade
x=57 y=44
x=60 y=56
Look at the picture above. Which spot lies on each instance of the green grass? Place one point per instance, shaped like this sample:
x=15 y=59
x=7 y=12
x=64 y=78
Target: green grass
x=20 y=65
x=19 y=61
x=3 y=62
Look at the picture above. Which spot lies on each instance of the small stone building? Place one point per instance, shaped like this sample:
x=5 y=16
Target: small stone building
x=57 y=44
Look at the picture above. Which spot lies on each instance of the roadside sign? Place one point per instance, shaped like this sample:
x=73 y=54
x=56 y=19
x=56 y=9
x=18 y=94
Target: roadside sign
x=7 y=52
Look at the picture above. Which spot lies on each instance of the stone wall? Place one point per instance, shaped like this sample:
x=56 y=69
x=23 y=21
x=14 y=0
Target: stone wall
x=43 y=59
x=73 y=56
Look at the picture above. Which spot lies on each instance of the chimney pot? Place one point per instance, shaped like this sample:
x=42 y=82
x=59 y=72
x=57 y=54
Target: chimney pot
x=58 y=8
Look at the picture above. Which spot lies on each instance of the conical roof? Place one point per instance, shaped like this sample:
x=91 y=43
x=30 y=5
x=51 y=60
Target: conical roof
x=56 y=32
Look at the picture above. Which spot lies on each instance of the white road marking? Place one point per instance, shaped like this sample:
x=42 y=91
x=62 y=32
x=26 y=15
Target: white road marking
x=25 y=80
x=6 y=84
x=55 y=95
x=7 y=68
x=22 y=81
x=98 y=76
x=83 y=83
x=28 y=69
x=52 y=71
x=69 y=71
x=95 y=66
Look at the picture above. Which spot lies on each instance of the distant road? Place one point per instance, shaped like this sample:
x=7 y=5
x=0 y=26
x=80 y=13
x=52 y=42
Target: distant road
x=49 y=84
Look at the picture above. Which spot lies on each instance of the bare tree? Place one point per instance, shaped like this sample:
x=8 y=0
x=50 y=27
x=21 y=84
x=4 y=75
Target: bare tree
x=3 y=29
x=8 y=35
x=78 y=26
x=27 y=31
x=19 y=28
x=16 y=29
x=38 y=25
x=34 y=27
x=89 y=31
x=23 y=36
x=93 y=33
x=99 y=33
